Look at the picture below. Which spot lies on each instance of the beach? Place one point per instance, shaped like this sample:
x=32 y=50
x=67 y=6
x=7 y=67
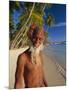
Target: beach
x=52 y=73
x=55 y=75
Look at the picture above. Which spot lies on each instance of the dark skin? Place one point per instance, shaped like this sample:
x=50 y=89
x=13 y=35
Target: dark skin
x=31 y=74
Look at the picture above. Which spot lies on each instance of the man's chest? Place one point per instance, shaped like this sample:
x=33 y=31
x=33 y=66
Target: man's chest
x=34 y=62
x=33 y=70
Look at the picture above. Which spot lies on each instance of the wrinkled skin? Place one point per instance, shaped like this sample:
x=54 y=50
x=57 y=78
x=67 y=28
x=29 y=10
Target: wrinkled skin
x=38 y=38
x=30 y=74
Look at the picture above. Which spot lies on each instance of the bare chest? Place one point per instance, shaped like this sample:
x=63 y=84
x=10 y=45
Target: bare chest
x=34 y=63
x=33 y=69
x=33 y=72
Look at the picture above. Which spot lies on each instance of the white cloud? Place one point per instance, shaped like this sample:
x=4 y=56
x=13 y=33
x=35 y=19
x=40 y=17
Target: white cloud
x=59 y=24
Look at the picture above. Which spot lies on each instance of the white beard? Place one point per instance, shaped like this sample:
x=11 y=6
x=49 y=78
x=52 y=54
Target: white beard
x=35 y=53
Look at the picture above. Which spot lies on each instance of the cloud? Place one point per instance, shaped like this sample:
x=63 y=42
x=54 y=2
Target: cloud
x=59 y=24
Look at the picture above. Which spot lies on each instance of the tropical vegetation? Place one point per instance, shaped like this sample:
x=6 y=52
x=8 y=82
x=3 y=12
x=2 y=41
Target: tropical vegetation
x=30 y=12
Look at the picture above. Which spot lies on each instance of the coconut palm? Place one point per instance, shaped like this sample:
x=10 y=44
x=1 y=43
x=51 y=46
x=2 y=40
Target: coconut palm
x=50 y=20
x=12 y=6
x=32 y=13
x=30 y=18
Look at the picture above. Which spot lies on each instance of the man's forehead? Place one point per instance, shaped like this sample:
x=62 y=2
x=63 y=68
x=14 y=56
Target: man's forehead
x=40 y=32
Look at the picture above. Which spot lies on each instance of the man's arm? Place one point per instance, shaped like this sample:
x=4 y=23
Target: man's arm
x=45 y=82
x=44 y=79
x=19 y=78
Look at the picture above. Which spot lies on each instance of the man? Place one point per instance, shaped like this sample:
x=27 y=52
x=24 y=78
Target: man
x=29 y=71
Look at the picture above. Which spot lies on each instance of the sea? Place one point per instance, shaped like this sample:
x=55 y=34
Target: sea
x=57 y=52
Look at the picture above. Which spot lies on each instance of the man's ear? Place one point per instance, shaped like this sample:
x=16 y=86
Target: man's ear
x=30 y=33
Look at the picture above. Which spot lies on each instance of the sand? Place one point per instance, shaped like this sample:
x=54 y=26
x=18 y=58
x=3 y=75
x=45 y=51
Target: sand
x=52 y=73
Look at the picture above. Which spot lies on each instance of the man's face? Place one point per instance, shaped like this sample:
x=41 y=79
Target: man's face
x=38 y=39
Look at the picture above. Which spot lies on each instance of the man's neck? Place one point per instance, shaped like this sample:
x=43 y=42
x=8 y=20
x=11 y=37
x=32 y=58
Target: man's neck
x=35 y=52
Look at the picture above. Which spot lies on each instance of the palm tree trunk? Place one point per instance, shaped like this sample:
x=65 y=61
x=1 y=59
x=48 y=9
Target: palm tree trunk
x=13 y=43
x=44 y=7
x=47 y=28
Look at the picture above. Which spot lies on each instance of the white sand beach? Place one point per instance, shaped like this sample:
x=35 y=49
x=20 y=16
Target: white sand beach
x=52 y=70
x=52 y=74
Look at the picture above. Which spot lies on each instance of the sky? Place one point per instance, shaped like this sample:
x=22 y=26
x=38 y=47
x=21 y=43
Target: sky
x=57 y=32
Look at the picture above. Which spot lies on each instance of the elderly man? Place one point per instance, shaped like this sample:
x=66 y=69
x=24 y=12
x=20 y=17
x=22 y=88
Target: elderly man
x=29 y=71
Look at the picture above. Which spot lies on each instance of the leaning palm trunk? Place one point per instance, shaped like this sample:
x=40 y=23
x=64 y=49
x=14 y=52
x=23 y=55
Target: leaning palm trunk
x=22 y=38
x=22 y=29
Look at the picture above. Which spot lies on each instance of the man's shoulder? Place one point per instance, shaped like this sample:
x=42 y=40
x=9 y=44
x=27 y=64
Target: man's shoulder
x=21 y=59
x=23 y=56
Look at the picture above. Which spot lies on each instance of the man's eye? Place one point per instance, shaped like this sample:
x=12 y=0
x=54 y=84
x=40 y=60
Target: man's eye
x=40 y=38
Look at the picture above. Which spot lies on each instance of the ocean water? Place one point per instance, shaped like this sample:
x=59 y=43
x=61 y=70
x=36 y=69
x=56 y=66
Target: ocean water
x=57 y=52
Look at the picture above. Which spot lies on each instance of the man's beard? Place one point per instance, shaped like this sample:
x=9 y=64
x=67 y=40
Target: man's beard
x=35 y=53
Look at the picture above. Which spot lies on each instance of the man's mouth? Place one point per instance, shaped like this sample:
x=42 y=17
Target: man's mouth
x=36 y=45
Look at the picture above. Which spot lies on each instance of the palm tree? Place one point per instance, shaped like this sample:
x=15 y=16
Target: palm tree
x=12 y=6
x=32 y=12
x=50 y=20
x=32 y=16
x=22 y=28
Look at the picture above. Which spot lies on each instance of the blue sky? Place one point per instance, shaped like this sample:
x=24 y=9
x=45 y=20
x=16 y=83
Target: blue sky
x=58 y=31
x=15 y=16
